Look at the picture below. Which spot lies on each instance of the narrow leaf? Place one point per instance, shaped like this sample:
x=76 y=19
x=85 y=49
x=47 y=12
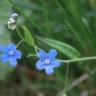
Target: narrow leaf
x=64 y=48
x=28 y=36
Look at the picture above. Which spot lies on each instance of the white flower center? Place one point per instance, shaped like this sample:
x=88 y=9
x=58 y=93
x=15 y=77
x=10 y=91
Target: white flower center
x=47 y=61
x=11 y=52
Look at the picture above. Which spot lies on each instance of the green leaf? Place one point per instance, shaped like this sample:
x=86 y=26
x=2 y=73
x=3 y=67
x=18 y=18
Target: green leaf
x=64 y=48
x=28 y=36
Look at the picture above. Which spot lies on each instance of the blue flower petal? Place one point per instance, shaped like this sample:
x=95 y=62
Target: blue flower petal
x=52 y=54
x=13 y=62
x=55 y=63
x=40 y=65
x=49 y=70
x=1 y=48
x=42 y=55
x=10 y=46
x=18 y=54
x=4 y=57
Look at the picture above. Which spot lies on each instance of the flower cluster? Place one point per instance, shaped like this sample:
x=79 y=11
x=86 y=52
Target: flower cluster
x=12 y=21
x=47 y=61
x=9 y=53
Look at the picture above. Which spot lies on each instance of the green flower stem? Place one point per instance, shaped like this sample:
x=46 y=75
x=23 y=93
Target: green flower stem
x=20 y=42
x=36 y=49
x=18 y=32
x=23 y=40
x=79 y=59
x=31 y=55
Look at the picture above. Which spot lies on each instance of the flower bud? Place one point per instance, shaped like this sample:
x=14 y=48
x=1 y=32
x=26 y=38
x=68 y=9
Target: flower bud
x=12 y=21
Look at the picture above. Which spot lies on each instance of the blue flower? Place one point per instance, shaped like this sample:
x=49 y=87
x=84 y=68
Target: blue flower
x=47 y=61
x=9 y=53
x=1 y=48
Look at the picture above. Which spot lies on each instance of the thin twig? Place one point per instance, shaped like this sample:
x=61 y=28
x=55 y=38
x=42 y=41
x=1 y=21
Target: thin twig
x=77 y=82
x=66 y=80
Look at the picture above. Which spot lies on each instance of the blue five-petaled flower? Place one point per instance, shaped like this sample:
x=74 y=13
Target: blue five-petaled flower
x=10 y=53
x=47 y=61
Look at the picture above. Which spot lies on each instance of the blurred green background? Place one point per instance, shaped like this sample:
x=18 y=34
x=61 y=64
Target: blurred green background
x=66 y=25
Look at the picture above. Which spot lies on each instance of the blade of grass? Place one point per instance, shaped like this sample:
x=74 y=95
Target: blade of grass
x=46 y=18
x=78 y=34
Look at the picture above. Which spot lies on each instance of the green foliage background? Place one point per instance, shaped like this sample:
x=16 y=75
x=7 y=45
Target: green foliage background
x=66 y=25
